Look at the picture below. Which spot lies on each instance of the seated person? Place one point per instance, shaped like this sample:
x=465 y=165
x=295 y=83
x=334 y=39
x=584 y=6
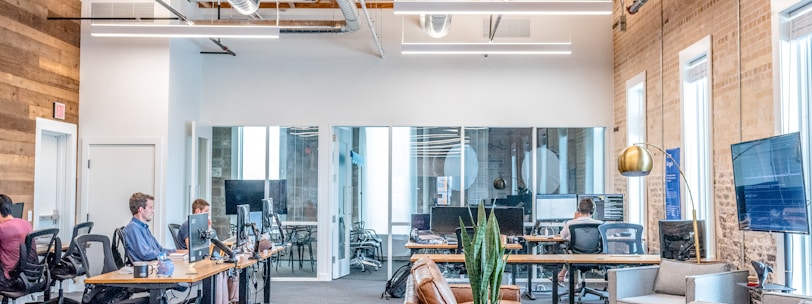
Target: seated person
x=12 y=234
x=582 y=216
x=141 y=244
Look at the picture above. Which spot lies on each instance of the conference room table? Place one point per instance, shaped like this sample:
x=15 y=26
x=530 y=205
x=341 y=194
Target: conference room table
x=572 y=260
x=246 y=262
x=185 y=273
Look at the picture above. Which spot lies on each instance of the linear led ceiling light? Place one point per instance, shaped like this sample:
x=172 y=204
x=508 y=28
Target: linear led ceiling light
x=563 y=48
x=184 y=31
x=518 y=7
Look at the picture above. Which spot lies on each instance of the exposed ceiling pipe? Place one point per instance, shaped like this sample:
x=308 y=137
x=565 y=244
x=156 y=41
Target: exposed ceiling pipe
x=350 y=12
x=190 y=22
x=245 y=7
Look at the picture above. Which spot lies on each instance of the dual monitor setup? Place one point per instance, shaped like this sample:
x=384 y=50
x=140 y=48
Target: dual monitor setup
x=200 y=235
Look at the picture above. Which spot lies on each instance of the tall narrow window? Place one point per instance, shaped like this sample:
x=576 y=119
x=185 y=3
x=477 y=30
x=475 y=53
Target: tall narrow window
x=796 y=84
x=695 y=74
x=636 y=133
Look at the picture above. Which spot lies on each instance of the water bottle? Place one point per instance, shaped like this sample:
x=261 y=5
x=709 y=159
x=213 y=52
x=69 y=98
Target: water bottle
x=165 y=266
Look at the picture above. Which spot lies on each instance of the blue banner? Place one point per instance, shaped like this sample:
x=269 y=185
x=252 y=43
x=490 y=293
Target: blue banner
x=673 y=210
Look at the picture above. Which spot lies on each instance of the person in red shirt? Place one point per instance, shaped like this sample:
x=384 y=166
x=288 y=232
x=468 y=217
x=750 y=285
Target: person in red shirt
x=12 y=234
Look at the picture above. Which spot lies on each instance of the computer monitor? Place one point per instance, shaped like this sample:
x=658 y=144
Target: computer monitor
x=421 y=221
x=608 y=207
x=446 y=219
x=511 y=220
x=198 y=236
x=244 y=192
x=677 y=239
x=17 y=210
x=267 y=215
x=556 y=207
x=243 y=224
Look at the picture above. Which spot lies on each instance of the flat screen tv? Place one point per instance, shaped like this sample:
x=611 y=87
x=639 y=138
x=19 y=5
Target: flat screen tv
x=769 y=181
x=244 y=192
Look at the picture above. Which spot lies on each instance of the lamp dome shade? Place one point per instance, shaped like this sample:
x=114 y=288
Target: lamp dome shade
x=634 y=161
x=499 y=183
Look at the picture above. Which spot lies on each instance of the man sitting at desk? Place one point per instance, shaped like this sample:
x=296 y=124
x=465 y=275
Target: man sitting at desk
x=141 y=244
x=12 y=234
x=582 y=216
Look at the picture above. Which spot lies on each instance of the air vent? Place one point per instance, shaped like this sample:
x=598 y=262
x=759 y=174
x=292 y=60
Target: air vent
x=121 y=10
x=512 y=28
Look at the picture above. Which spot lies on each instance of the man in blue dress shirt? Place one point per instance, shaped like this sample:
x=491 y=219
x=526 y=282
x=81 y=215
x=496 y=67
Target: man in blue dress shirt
x=141 y=244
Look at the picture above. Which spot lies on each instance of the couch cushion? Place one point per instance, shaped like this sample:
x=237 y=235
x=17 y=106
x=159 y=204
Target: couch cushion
x=430 y=284
x=784 y=298
x=653 y=299
x=670 y=278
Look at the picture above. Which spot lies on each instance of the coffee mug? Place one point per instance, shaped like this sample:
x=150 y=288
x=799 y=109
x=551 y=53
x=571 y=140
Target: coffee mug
x=142 y=269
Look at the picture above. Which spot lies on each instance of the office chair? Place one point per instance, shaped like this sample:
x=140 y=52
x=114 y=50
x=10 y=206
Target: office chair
x=301 y=236
x=121 y=256
x=173 y=230
x=70 y=266
x=31 y=272
x=622 y=238
x=96 y=243
x=585 y=239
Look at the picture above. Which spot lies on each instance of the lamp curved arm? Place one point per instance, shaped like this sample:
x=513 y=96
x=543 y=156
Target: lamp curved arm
x=690 y=196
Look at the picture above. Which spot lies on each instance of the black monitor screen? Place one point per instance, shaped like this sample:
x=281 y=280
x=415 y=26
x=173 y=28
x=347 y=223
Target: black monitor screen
x=768 y=175
x=511 y=220
x=608 y=207
x=421 y=221
x=446 y=219
x=556 y=207
x=267 y=215
x=676 y=239
x=17 y=210
x=198 y=242
x=244 y=192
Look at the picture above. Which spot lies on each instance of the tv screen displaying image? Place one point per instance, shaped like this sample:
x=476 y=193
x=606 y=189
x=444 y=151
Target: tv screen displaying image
x=769 y=181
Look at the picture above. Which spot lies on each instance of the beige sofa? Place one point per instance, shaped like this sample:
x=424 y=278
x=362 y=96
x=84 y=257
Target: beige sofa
x=675 y=282
x=784 y=298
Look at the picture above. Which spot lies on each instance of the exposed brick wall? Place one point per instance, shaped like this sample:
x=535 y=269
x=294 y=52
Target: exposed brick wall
x=742 y=103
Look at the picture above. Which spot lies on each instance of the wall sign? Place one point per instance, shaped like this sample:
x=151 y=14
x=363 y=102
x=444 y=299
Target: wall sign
x=59 y=110
x=673 y=208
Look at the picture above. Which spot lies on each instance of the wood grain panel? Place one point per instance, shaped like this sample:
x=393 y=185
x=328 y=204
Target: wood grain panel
x=39 y=64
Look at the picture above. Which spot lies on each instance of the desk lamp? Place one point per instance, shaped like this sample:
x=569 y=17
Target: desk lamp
x=636 y=160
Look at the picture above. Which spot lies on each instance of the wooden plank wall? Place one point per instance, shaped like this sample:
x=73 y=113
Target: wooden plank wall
x=39 y=65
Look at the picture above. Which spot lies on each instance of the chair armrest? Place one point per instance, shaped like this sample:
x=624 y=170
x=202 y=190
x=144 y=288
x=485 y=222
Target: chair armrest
x=463 y=292
x=634 y=281
x=717 y=287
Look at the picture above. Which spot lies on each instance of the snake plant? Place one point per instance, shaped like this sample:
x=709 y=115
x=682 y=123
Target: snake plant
x=484 y=257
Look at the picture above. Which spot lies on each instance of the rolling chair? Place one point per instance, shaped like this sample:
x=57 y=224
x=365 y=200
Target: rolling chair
x=70 y=266
x=585 y=239
x=31 y=272
x=622 y=238
x=98 y=242
x=173 y=230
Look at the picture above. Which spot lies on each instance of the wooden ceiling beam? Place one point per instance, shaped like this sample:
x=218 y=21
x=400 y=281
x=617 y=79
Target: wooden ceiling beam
x=298 y=4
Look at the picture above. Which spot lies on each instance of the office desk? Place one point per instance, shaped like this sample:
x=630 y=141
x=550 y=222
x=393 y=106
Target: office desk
x=557 y=259
x=415 y=247
x=243 y=264
x=203 y=271
x=532 y=241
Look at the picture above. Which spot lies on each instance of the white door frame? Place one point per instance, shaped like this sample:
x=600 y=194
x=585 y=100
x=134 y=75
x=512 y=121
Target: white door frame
x=66 y=178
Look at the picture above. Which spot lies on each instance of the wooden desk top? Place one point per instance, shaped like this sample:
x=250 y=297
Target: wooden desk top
x=540 y=238
x=246 y=262
x=413 y=245
x=646 y=259
x=183 y=274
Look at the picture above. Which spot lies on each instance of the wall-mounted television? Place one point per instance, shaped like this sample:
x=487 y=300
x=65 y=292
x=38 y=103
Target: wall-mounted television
x=769 y=181
x=252 y=192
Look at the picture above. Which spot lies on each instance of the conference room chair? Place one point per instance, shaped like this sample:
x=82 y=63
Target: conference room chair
x=121 y=256
x=91 y=247
x=70 y=266
x=585 y=239
x=31 y=272
x=300 y=237
x=173 y=230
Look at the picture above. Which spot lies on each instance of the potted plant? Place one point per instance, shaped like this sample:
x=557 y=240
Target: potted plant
x=484 y=257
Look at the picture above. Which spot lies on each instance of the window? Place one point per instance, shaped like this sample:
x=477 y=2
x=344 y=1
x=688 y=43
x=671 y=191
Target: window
x=636 y=133
x=796 y=82
x=695 y=75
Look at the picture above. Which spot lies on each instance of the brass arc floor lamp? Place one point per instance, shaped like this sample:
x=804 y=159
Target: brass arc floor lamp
x=636 y=160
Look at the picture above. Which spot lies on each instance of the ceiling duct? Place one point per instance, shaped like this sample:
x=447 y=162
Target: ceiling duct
x=245 y=7
x=436 y=25
x=350 y=12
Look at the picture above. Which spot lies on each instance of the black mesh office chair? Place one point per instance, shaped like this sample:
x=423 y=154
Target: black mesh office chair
x=585 y=239
x=173 y=230
x=31 y=273
x=101 y=244
x=622 y=238
x=70 y=266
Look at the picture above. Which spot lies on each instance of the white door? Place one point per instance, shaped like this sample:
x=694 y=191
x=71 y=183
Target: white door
x=199 y=163
x=342 y=213
x=111 y=174
x=55 y=177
